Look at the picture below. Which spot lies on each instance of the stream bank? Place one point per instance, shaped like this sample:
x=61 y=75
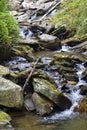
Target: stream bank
x=61 y=68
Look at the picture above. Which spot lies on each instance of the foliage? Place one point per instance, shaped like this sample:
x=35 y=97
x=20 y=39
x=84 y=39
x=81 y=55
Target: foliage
x=73 y=14
x=3 y=5
x=9 y=26
x=9 y=30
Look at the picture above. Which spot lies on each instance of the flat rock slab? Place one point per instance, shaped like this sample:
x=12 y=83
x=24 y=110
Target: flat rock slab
x=10 y=94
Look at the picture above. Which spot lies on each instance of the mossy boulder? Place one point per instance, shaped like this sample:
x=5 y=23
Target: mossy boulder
x=8 y=74
x=42 y=104
x=24 y=51
x=4 y=118
x=10 y=94
x=4 y=71
x=68 y=57
x=49 y=90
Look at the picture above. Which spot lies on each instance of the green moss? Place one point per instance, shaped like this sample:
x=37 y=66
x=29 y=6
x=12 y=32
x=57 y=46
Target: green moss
x=9 y=28
x=4 y=117
x=73 y=14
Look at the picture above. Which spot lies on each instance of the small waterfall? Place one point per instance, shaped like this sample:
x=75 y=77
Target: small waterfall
x=74 y=96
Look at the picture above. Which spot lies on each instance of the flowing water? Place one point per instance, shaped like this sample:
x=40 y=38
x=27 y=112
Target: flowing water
x=66 y=120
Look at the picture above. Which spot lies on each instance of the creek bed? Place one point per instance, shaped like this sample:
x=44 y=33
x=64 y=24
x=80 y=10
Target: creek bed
x=31 y=121
x=66 y=120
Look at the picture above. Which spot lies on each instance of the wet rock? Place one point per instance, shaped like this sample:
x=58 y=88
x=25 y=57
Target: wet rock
x=10 y=94
x=42 y=104
x=71 y=42
x=84 y=75
x=61 y=32
x=49 y=90
x=63 y=69
x=23 y=51
x=80 y=48
x=34 y=43
x=68 y=57
x=83 y=89
x=4 y=118
x=82 y=105
x=71 y=77
x=49 y=42
x=22 y=18
x=28 y=103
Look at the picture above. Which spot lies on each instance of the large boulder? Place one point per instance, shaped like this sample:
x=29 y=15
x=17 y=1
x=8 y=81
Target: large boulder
x=49 y=90
x=42 y=104
x=49 y=42
x=10 y=94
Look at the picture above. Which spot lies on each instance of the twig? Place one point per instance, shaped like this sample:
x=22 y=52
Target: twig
x=48 y=11
x=30 y=74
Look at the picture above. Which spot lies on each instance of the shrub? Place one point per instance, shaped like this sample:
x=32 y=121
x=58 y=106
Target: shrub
x=9 y=27
x=9 y=24
x=3 y=5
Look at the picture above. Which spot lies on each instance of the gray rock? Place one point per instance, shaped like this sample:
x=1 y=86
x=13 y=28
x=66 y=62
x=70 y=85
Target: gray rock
x=10 y=94
x=28 y=103
x=49 y=42
x=47 y=89
x=43 y=105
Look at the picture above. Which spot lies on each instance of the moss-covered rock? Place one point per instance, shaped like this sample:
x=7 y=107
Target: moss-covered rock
x=8 y=74
x=42 y=104
x=4 y=71
x=4 y=118
x=47 y=89
x=24 y=51
x=68 y=57
x=10 y=94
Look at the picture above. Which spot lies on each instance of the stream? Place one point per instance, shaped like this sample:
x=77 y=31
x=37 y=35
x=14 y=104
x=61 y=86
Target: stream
x=65 y=120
